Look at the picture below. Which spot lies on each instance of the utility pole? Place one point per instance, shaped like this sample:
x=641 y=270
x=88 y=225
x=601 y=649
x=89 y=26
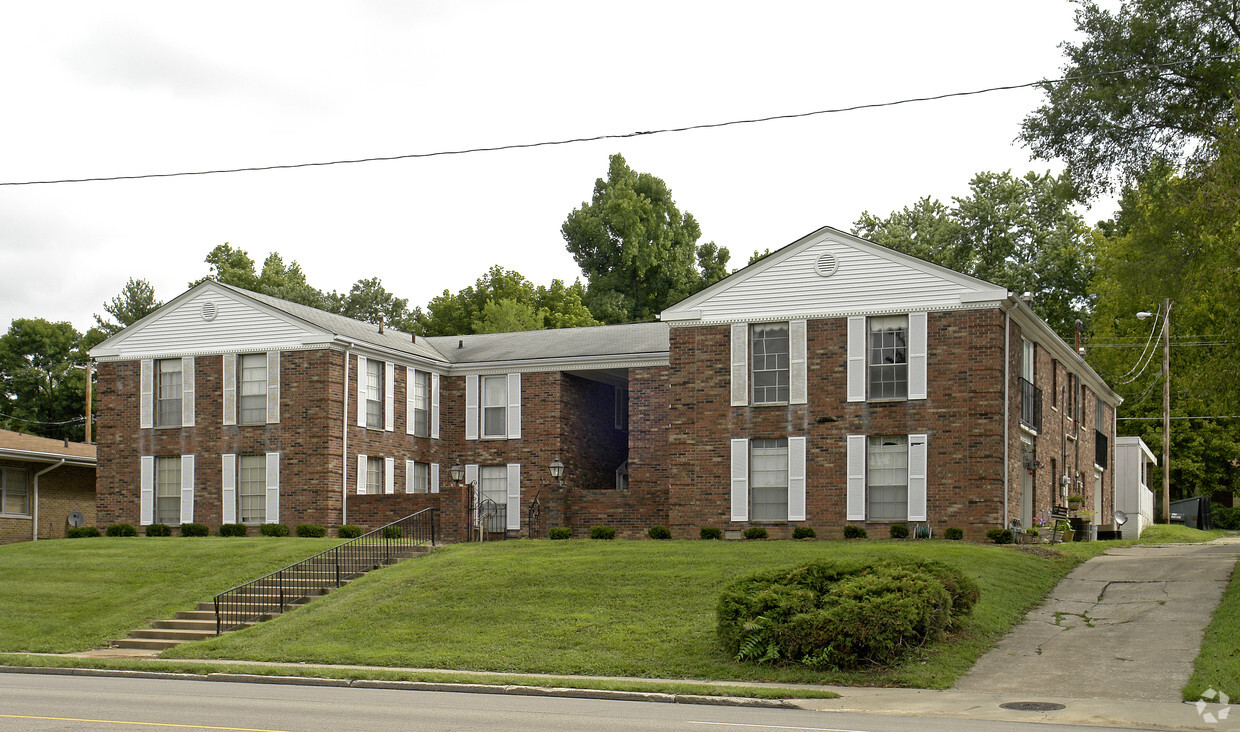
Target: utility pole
x=1166 y=451
x=90 y=367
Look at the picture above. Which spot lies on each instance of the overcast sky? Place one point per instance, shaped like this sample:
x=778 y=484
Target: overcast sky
x=124 y=88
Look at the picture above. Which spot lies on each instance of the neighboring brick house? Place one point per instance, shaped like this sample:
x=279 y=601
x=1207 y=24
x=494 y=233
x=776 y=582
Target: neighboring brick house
x=833 y=382
x=43 y=483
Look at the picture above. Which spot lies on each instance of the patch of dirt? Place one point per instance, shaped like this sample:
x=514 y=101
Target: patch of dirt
x=1041 y=551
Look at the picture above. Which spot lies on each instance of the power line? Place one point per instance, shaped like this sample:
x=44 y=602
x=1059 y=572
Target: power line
x=1216 y=416
x=75 y=420
x=620 y=136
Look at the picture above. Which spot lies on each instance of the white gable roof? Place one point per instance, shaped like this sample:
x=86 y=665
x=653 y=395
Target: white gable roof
x=830 y=273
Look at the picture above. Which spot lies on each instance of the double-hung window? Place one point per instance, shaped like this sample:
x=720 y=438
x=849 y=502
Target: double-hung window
x=495 y=406
x=252 y=489
x=418 y=479
x=768 y=480
x=888 y=357
x=374 y=394
x=253 y=392
x=168 y=392
x=493 y=506
x=14 y=492
x=168 y=490
x=421 y=403
x=374 y=475
x=887 y=479
x=770 y=363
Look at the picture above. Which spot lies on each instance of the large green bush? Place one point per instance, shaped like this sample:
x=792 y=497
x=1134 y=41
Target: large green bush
x=710 y=532
x=602 y=532
x=560 y=533
x=311 y=531
x=121 y=530
x=1222 y=517
x=349 y=531
x=659 y=531
x=273 y=530
x=234 y=529
x=841 y=614
x=195 y=529
x=158 y=530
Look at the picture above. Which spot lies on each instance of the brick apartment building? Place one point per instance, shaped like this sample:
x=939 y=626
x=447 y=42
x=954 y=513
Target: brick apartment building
x=834 y=382
x=44 y=486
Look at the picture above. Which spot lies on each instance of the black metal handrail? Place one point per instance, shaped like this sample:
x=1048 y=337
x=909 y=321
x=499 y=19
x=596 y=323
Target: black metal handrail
x=1030 y=405
x=313 y=576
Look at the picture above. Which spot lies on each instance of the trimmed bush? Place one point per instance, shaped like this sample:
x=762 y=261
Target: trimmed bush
x=234 y=529
x=121 y=530
x=349 y=531
x=658 y=531
x=389 y=532
x=560 y=533
x=195 y=529
x=82 y=532
x=953 y=533
x=273 y=530
x=158 y=530
x=1222 y=517
x=602 y=532
x=804 y=532
x=311 y=531
x=710 y=532
x=1000 y=536
x=854 y=532
x=755 y=532
x=899 y=531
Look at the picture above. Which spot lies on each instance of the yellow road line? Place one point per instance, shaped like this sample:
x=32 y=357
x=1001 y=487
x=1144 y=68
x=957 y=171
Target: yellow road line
x=142 y=724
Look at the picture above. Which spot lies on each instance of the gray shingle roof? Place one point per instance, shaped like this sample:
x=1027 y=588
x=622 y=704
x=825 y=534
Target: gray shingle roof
x=632 y=339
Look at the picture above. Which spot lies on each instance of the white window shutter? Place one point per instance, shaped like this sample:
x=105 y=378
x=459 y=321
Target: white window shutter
x=856 y=359
x=389 y=396
x=361 y=474
x=147 y=490
x=361 y=391
x=917 y=477
x=229 y=368
x=272 y=515
x=187 y=489
x=855 y=491
x=187 y=391
x=146 y=389
x=514 y=407
x=798 y=376
x=796 y=478
x=434 y=478
x=514 y=497
x=471 y=407
x=917 y=347
x=740 y=479
x=434 y=406
x=409 y=487
x=410 y=377
x=471 y=480
x=228 y=487
x=389 y=475
x=740 y=365
x=273 y=389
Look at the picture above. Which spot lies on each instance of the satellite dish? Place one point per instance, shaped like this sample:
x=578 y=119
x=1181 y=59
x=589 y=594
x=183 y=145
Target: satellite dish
x=1121 y=518
x=76 y=519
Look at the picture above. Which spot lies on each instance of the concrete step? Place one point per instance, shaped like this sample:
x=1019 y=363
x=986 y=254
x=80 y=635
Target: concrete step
x=154 y=644
x=207 y=624
x=172 y=634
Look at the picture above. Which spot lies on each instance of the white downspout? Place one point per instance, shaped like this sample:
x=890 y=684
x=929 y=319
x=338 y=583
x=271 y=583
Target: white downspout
x=35 y=505
x=344 y=458
x=1007 y=385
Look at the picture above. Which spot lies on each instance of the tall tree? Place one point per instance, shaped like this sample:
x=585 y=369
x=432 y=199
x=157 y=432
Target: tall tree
x=287 y=282
x=369 y=301
x=42 y=384
x=1149 y=81
x=135 y=301
x=1021 y=233
x=638 y=251
x=503 y=300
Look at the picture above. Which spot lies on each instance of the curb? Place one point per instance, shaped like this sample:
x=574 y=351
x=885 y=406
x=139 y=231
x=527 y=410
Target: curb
x=516 y=690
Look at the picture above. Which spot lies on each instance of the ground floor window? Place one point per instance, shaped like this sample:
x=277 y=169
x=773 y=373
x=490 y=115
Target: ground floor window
x=14 y=491
x=252 y=489
x=887 y=478
x=374 y=475
x=168 y=490
x=768 y=480
x=418 y=480
x=493 y=485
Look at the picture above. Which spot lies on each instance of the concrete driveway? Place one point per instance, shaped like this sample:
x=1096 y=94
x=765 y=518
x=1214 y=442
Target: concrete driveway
x=1125 y=625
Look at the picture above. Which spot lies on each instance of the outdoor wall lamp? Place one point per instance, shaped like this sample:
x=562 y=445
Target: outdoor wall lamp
x=457 y=471
x=557 y=471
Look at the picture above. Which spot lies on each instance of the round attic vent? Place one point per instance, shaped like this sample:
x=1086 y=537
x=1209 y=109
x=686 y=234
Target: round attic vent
x=826 y=265
x=209 y=311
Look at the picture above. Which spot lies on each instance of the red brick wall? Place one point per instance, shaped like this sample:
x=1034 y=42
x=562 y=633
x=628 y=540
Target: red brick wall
x=62 y=491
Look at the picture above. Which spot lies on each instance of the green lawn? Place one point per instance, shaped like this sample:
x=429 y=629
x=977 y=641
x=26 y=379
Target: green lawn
x=1218 y=664
x=70 y=595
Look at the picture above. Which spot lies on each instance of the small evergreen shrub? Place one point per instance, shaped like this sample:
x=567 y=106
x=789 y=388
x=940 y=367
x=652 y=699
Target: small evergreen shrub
x=349 y=531
x=158 y=530
x=710 y=532
x=273 y=530
x=953 y=533
x=121 y=530
x=755 y=532
x=1000 y=536
x=658 y=531
x=804 y=532
x=560 y=533
x=195 y=529
x=389 y=532
x=1222 y=517
x=311 y=531
x=854 y=532
x=602 y=532
x=899 y=531
x=234 y=529
x=82 y=532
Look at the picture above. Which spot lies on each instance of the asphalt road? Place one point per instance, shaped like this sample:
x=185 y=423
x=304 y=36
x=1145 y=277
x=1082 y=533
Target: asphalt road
x=30 y=702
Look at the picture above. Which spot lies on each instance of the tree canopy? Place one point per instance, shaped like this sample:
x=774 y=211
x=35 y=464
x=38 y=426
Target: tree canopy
x=135 y=301
x=639 y=253
x=502 y=301
x=42 y=384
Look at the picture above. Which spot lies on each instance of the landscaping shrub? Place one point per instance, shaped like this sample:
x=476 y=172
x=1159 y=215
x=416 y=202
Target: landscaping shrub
x=953 y=533
x=121 y=530
x=899 y=531
x=602 y=532
x=659 y=531
x=755 y=532
x=82 y=532
x=710 y=532
x=804 y=532
x=841 y=614
x=854 y=532
x=389 y=532
x=195 y=529
x=560 y=532
x=1222 y=517
x=1000 y=536
x=158 y=530
x=311 y=531
x=349 y=531
x=234 y=529
x=273 y=530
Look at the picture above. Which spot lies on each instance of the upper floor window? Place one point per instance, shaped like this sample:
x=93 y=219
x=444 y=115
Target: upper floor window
x=168 y=392
x=253 y=396
x=374 y=394
x=168 y=490
x=421 y=403
x=770 y=362
x=495 y=406
x=14 y=492
x=888 y=357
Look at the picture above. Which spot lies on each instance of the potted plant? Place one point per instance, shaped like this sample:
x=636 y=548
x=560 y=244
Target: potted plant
x=1075 y=500
x=1065 y=531
x=1031 y=536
